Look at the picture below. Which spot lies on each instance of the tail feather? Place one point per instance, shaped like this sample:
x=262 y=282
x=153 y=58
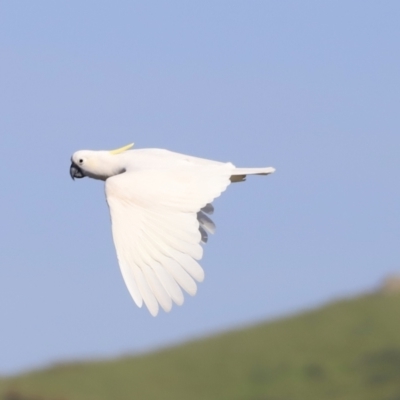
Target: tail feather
x=239 y=174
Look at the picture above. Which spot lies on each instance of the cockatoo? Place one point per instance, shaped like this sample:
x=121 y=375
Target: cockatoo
x=159 y=203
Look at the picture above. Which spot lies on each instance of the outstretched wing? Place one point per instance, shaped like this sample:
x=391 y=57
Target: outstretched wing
x=155 y=227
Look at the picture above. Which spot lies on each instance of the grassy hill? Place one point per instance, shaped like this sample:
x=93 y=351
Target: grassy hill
x=349 y=350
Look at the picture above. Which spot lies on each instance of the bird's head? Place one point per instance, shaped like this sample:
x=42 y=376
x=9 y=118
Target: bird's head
x=96 y=164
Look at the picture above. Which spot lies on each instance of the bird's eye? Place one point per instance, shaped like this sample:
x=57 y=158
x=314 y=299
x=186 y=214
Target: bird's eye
x=80 y=161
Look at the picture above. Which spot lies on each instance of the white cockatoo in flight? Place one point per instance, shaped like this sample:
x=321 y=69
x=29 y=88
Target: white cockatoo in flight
x=159 y=203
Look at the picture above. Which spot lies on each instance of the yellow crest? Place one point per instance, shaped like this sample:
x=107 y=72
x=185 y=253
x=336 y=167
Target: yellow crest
x=121 y=149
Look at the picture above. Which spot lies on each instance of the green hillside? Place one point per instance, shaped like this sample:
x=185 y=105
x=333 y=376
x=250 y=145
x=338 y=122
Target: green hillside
x=349 y=350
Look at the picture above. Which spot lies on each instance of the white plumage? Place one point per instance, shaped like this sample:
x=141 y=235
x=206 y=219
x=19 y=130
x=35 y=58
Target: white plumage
x=159 y=201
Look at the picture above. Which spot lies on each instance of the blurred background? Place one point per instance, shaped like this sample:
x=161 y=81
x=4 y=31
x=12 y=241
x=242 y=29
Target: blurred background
x=311 y=88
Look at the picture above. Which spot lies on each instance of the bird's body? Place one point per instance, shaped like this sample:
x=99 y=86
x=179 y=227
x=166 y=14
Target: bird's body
x=159 y=201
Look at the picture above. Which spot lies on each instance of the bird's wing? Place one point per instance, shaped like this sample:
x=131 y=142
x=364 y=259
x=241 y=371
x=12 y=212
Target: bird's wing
x=156 y=230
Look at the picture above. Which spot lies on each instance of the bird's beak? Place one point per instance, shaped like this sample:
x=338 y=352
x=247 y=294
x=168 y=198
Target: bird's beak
x=75 y=171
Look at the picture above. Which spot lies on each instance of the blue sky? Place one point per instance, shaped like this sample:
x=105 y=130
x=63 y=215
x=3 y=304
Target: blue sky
x=311 y=88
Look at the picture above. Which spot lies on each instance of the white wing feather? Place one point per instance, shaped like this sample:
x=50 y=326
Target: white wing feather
x=156 y=230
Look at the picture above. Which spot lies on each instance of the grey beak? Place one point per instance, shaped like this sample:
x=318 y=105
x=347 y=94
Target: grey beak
x=75 y=171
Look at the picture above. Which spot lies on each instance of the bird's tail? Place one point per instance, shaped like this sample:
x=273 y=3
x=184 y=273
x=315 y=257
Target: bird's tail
x=239 y=174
